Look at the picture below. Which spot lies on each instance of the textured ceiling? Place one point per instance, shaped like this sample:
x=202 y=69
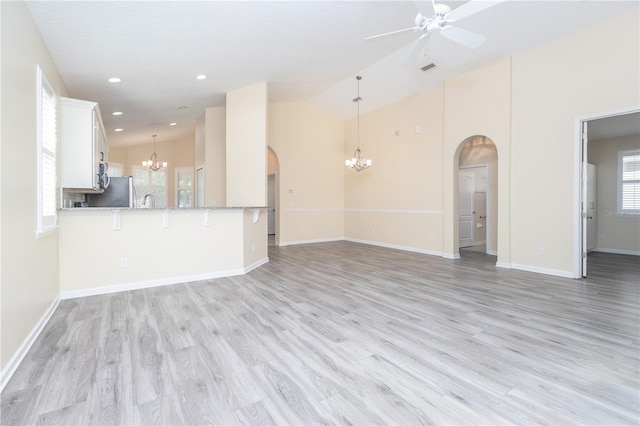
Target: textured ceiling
x=305 y=50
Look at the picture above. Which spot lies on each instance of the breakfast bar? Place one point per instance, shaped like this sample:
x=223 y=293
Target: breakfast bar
x=115 y=249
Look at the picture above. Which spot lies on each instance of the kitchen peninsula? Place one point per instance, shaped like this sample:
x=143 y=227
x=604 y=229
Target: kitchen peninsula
x=103 y=250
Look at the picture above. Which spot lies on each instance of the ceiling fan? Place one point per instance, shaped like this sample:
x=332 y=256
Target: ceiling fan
x=435 y=18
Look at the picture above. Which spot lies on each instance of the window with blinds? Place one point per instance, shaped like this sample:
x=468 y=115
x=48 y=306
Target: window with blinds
x=47 y=140
x=184 y=186
x=629 y=182
x=154 y=184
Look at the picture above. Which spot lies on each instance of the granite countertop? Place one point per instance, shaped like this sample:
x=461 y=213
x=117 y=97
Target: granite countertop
x=159 y=209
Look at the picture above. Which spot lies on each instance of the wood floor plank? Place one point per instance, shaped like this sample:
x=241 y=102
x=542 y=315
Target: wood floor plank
x=344 y=333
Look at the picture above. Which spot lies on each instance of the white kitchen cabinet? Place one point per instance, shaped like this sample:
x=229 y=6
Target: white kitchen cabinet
x=84 y=145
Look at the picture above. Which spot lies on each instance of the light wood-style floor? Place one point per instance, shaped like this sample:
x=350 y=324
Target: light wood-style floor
x=343 y=333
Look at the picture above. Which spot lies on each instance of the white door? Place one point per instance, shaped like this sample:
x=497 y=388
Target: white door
x=466 y=184
x=271 y=204
x=591 y=207
x=583 y=201
x=200 y=187
x=480 y=216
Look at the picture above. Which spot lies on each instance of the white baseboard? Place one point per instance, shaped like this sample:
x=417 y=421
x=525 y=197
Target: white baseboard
x=492 y=252
x=395 y=246
x=154 y=283
x=504 y=265
x=546 y=271
x=321 y=240
x=617 y=251
x=453 y=256
x=255 y=265
x=11 y=366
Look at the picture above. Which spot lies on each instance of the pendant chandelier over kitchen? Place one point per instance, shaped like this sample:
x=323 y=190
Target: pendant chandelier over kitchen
x=153 y=163
x=358 y=162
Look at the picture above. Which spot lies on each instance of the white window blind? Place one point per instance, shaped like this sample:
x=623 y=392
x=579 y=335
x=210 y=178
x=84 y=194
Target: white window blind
x=148 y=182
x=184 y=186
x=629 y=182
x=47 y=141
x=115 y=170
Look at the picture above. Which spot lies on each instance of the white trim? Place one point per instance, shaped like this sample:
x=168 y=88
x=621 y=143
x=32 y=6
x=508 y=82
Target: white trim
x=538 y=270
x=151 y=283
x=255 y=265
x=395 y=211
x=391 y=211
x=320 y=240
x=395 y=246
x=307 y=210
x=492 y=252
x=617 y=251
x=18 y=356
x=577 y=180
x=453 y=256
x=504 y=265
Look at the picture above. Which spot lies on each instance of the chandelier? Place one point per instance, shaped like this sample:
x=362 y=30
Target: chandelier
x=153 y=163
x=358 y=162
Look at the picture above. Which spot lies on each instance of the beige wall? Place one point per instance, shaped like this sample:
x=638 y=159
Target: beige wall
x=246 y=146
x=617 y=233
x=309 y=145
x=552 y=85
x=186 y=250
x=29 y=266
x=398 y=201
x=211 y=154
x=254 y=237
x=176 y=153
x=478 y=102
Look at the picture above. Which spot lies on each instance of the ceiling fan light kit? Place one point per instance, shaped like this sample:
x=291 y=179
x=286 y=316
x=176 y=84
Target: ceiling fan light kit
x=358 y=163
x=435 y=18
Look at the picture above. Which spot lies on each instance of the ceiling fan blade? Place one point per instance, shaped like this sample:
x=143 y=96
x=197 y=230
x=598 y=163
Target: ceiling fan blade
x=471 y=8
x=418 y=47
x=463 y=37
x=391 y=33
x=425 y=7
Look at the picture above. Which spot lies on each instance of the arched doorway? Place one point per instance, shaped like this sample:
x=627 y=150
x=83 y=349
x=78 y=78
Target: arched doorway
x=476 y=183
x=273 y=197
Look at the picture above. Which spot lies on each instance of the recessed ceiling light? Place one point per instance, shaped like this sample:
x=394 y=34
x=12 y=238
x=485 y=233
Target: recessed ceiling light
x=201 y=77
x=114 y=80
x=116 y=113
x=172 y=124
x=183 y=107
x=117 y=130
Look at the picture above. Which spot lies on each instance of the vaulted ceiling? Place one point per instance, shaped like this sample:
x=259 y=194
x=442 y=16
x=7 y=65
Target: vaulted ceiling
x=305 y=50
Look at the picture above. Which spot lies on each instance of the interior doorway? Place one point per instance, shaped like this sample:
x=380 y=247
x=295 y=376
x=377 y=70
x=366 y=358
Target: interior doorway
x=477 y=187
x=473 y=186
x=273 y=197
x=603 y=222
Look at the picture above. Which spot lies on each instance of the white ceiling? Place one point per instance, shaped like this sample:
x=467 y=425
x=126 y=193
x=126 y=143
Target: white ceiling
x=305 y=50
x=614 y=127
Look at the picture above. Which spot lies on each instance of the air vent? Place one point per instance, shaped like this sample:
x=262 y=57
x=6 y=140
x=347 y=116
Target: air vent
x=428 y=67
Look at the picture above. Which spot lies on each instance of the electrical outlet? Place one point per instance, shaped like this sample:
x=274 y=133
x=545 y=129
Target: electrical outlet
x=540 y=251
x=123 y=262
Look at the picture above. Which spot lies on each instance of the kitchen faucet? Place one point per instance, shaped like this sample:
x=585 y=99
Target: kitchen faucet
x=152 y=204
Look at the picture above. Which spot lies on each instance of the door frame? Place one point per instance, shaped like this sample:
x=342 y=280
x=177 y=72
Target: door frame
x=488 y=240
x=465 y=172
x=580 y=181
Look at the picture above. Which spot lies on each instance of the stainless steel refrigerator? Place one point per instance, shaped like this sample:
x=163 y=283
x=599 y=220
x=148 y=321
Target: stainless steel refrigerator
x=119 y=193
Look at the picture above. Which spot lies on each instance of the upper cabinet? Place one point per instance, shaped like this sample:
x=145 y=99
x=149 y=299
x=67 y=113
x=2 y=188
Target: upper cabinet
x=84 y=145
